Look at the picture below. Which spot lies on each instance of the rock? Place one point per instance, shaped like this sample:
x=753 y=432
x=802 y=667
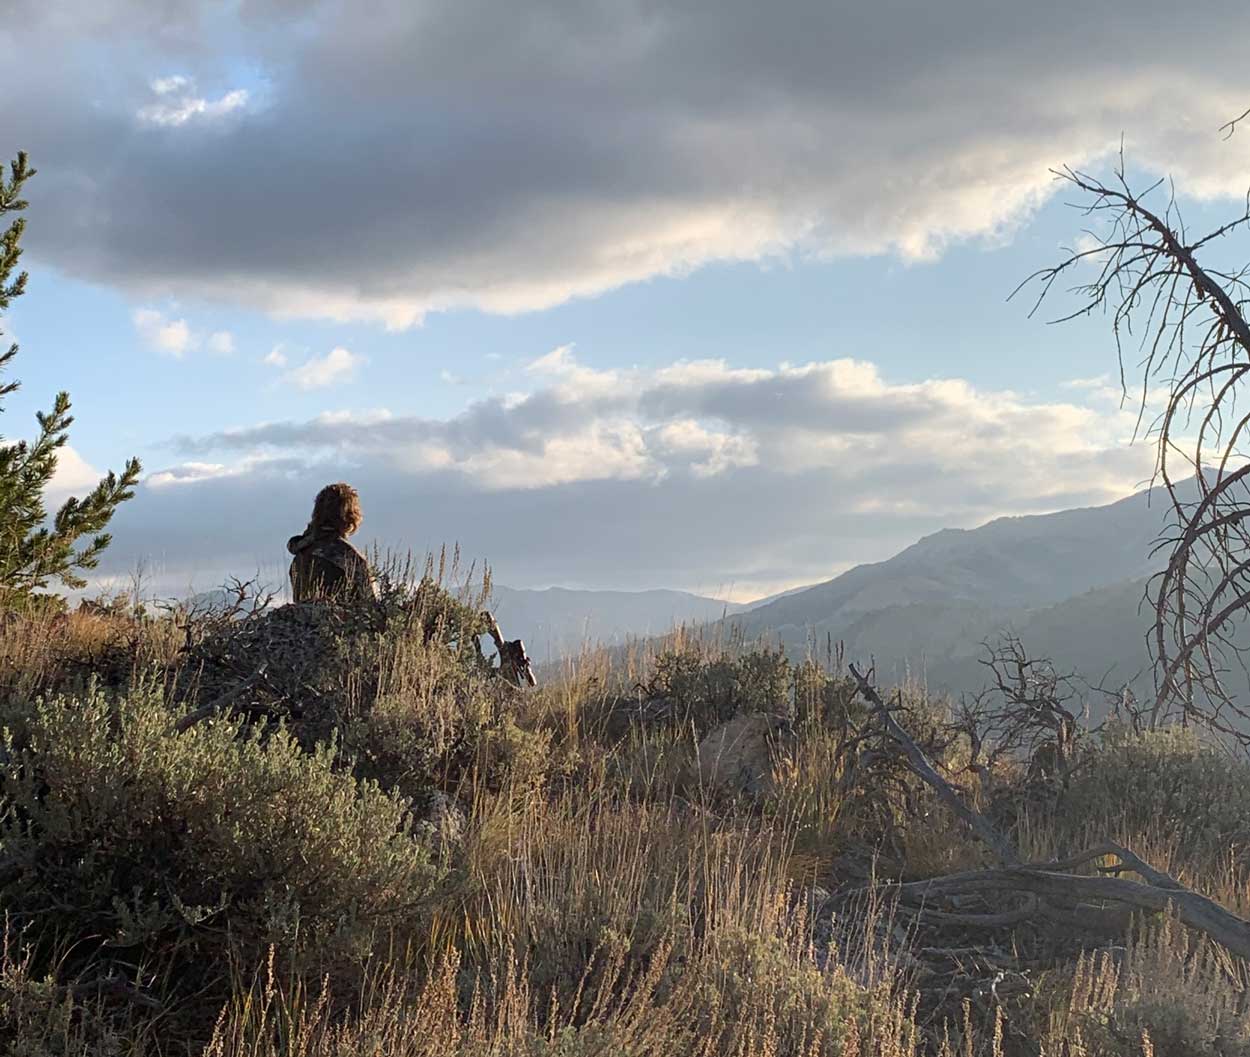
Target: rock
x=737 y=757
x=444 y=820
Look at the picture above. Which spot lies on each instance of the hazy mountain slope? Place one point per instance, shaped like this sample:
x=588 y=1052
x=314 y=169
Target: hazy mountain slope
x=1011 y=563
x=928 y=609
x=559 y=621
x=1069 y=584
x=1099 y=636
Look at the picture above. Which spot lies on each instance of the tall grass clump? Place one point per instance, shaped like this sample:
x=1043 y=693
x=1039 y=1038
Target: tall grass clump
x=1165 y=992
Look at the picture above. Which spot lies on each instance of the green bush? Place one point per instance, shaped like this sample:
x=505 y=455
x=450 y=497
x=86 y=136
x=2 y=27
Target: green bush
x=191 y=854
x=1167 y=783
x=707 y=691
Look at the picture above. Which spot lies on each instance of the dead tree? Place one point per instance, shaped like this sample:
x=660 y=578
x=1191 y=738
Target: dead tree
x=514 y=663
x=1184 y=318
x=1024 y=714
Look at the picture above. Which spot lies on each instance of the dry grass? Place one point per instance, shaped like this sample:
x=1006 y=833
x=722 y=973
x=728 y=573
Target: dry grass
x=599 y=900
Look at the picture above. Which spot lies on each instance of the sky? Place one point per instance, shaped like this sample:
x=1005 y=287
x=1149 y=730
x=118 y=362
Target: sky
x=610 y=293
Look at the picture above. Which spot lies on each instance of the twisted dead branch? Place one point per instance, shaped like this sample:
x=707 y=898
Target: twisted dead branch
x=925 y=770
x=1047 y=890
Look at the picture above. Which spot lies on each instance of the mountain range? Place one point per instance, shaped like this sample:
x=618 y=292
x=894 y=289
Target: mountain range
x=1070 y=585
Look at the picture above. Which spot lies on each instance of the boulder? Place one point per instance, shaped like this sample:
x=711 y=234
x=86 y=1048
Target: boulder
x=737 y=757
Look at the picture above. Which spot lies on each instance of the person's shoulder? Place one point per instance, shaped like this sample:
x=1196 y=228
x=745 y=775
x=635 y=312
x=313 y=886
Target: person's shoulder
x=340 y=548
x=357 y=552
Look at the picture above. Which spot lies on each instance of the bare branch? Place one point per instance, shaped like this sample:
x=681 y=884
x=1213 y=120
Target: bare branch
x=922 y=766
x=1189 y=324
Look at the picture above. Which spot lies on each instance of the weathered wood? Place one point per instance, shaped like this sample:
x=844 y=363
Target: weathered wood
x=216 y=704
x=922 y=766
x=1049 y=890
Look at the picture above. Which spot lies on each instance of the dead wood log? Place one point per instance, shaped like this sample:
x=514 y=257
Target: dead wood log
x=216 y=704
x=1054 y=888
x=1049 y=890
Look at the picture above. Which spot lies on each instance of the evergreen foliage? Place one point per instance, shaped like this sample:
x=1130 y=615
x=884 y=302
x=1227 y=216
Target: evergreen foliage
x=34 y=552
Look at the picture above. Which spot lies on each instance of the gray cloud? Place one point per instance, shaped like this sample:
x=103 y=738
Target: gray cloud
x=645 y=478
x=417 y=156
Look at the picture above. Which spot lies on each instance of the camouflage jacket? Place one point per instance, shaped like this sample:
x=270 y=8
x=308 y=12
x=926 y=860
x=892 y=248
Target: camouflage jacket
x=326 y=567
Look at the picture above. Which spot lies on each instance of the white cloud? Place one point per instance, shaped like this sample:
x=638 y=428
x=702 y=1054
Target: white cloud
x=337 y=366
x=221 y=342
x=707 y=420
x=276 y=357
x=170 y=336
x=682 y=475
x=720 y=451
x=1087 y=242
x=176 y=103
x=74 y=476
x=168 y=85
x=175 y=337
x=1097 y=381
x=572 y=380
x=558 y=361
x=190 y=473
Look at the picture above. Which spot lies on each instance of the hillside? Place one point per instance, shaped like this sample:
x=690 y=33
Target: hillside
x=295 y=799
x=1069 y=584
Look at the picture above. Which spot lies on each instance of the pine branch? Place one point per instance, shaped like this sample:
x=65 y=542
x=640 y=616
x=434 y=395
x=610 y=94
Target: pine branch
x=34 y=552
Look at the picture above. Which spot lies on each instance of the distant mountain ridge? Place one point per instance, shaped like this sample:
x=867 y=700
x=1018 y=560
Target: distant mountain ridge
x=1030 y=561
x=1069 y=584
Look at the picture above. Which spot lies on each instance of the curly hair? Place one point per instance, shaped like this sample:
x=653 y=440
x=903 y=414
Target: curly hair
x=337 y=507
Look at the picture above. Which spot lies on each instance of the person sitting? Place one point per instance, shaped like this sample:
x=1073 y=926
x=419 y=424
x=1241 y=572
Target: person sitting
x=325 y=567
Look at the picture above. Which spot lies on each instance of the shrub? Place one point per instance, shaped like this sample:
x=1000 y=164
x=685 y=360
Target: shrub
x=1166 y=783
x=398 y=685
x=191 y=854
x=39 y=1016
x=707 y=691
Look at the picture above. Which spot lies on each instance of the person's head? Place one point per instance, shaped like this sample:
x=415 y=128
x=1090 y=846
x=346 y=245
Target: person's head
x=336 y=509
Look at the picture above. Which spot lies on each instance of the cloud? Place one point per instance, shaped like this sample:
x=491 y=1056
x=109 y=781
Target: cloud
x=337 y=366
x=176 y=103
x=564 y=149
x=221 y=342
x=1097 y=381
x=189 y=473
x=170 y=336
x=692 y=474
x=715 y=452
x=276 y=357
x=704 y=418
x=174 y=337
x=74 y=476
